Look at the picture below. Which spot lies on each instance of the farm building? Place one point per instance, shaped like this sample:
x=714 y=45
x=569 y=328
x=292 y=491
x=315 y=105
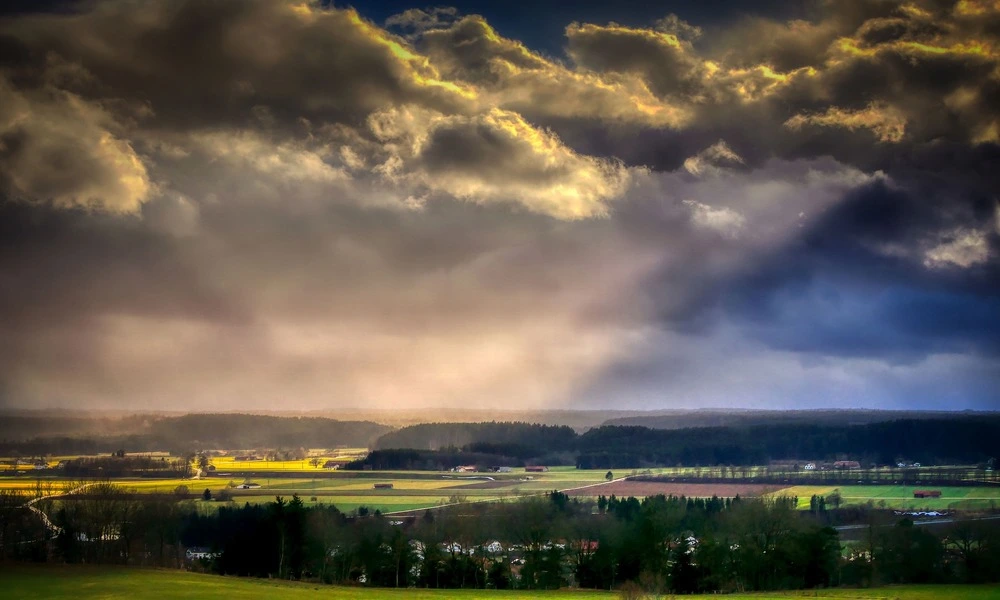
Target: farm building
x=383 y=486
x=331 y=464
x=926 y=493
x=810 y=467
x=198 y=553
x=535 y=469
x=847 y=464
x=502 y=469
x=249 y=486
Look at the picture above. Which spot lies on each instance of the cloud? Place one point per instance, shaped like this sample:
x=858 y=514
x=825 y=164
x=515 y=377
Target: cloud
x=964 y=248
x=674 y=25
x=725 y=220
x=511 y=76
x=496 y=157
x=214 y=64
x=285 y=205
x=664 y=61
x=57 y=147
x=712 y=159
x=421 y=20
x=887 y=124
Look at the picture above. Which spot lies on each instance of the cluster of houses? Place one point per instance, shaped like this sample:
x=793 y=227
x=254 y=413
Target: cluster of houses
x=246 y=457
x=477 y=469
x=37 y=464
x=200 y=553
x=920 y=513
x=840 y=465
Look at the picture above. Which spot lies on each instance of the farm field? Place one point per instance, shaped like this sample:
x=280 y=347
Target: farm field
x=901 y=497
x=411 y=490
x=343 y=456
x=691 y=490
x=86 y=583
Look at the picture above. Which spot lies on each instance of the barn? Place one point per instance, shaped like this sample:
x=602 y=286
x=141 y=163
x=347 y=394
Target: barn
x=926 y=493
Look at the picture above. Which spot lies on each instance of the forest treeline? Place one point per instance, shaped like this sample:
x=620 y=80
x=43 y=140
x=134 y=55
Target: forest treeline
x=686 y=419
x=959 y=439
x=661 y=544
x=183 y=434
x=445 y=445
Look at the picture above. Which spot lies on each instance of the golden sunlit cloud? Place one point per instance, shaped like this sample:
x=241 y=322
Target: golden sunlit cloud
x=885 y=122
x=496 y=157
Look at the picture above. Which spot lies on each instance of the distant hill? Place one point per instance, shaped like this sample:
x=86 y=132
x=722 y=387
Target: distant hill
x=514 y=437
x=684 y=419
x=36 y=434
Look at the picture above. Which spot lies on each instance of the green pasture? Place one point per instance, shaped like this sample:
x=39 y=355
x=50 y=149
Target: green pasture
x=900 y=496
x=96 y=583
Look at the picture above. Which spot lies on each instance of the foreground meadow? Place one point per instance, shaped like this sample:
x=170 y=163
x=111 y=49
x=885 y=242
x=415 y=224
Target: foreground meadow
x=84 y=583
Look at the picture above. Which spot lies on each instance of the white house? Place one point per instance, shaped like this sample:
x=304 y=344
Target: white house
x=198 y=553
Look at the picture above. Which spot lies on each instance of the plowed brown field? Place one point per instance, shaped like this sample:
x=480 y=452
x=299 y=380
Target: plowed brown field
x=691 y=490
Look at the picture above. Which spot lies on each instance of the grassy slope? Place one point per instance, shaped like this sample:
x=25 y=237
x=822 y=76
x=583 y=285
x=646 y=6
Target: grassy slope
x=132 y=584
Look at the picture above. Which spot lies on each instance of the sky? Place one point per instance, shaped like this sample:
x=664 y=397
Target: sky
x=293 y=205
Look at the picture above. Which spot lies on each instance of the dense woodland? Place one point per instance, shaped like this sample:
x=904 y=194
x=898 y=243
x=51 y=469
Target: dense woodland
x=686 y=419
x=928 y=441
x=661 y=544
x=956 y=439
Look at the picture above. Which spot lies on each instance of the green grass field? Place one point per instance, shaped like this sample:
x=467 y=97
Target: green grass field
x=86 y=583
x=901 y=497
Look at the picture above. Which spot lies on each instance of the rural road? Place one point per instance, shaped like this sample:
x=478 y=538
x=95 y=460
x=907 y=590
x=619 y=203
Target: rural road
x=41 y=514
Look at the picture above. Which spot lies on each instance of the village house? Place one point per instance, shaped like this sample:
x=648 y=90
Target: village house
x=535 y=469
x=200 y=553
x=847 y=464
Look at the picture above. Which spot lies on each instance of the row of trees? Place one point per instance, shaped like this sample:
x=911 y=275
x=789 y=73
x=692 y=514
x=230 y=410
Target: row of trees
x=931 y=441
x=661 y=543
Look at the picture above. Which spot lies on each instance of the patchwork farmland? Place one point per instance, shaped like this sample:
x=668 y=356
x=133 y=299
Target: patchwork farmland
x=403 y=491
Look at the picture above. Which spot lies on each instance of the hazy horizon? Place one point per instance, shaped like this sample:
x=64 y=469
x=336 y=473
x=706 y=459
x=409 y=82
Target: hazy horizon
x=292 y=206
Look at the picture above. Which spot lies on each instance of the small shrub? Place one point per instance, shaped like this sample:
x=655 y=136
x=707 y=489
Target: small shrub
x=631 y=590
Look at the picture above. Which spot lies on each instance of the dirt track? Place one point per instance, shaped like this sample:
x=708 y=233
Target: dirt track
x=691 y=490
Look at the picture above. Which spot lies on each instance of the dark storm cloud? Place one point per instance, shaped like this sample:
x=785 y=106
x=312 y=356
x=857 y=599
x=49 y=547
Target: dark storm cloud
x=207 y=64
x=290 y=206
x=848 y=286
